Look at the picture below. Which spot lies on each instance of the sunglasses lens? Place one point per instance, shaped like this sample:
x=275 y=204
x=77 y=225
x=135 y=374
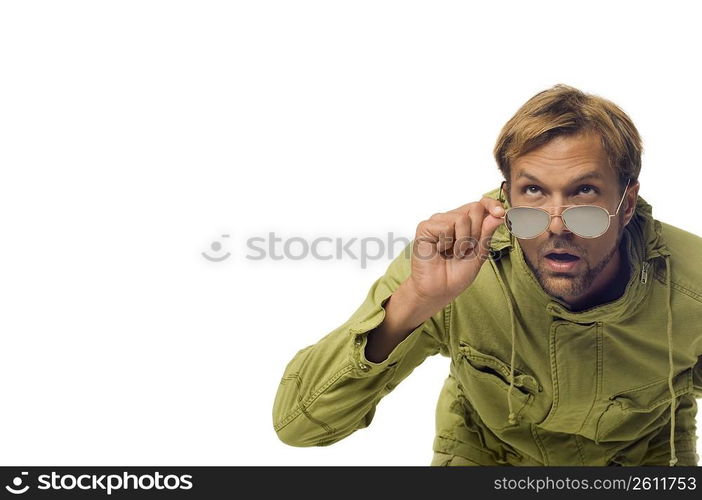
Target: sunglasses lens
x=586 y=221
x=526 y=222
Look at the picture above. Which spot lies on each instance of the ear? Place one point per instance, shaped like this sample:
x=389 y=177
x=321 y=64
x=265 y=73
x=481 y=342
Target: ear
x=504 y=191
x=630 y=202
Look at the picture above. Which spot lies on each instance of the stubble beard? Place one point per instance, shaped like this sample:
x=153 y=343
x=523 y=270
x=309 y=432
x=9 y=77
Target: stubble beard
x=561 y=285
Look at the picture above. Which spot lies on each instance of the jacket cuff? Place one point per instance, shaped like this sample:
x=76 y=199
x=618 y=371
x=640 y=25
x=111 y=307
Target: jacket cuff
x=361 y=366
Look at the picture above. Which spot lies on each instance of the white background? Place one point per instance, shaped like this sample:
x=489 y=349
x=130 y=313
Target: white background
x=133 y=134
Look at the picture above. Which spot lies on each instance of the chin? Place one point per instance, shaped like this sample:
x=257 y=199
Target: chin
x=562 y=286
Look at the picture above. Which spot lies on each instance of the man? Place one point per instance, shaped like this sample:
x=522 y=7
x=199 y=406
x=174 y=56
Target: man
x=570 y=315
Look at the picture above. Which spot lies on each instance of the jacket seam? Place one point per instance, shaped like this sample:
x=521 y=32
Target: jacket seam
x=598 y=382
x=579 y=445
x=485 y=452
x=303 y=406
x=539 y=444
x=327 y=428
x=447 y=320
x=679 y=392
x=554 y=372
x=690 y=293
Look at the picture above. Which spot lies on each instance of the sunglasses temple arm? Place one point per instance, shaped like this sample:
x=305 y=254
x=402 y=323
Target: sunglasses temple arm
x=623 y=196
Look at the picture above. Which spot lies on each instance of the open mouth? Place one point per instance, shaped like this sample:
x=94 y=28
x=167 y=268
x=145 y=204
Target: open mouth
x=562 y=262
x=562 y=257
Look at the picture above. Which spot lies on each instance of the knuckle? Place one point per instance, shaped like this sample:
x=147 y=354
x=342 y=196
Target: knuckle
x=487 y=202
x=464 y=225
x=447 y=227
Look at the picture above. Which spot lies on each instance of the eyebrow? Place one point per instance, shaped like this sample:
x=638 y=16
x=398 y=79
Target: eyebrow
x=587 y=175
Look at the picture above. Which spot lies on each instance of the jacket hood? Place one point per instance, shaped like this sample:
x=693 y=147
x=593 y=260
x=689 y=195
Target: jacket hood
x=645 y=249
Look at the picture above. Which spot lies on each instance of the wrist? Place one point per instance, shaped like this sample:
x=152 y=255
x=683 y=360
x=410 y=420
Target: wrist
x=413 y=309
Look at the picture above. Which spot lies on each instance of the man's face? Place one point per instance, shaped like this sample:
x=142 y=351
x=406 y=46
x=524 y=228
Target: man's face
x=571 y=170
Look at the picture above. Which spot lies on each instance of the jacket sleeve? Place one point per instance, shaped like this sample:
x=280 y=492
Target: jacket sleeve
x=697 y=378
x=329 y=389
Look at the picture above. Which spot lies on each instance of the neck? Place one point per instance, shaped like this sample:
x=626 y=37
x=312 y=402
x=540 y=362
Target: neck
x=608 y=286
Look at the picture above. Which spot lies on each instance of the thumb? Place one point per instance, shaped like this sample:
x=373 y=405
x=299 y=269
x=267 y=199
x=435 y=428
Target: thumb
x=490 y=225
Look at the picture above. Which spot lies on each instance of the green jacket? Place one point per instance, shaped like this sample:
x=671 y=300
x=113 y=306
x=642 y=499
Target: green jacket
x=611 y=385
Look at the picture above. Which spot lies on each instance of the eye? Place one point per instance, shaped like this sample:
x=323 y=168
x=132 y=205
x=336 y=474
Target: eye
x=532 y=189
x=587 y=189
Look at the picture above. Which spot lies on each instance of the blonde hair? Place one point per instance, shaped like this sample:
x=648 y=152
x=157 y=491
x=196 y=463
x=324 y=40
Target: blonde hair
x=564 y=110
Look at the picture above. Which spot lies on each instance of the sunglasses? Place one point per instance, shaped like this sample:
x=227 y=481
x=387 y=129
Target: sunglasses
x=586 y=221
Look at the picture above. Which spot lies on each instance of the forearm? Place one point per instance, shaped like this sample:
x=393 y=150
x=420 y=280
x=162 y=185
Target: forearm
x=404 y=312
x=330 y=389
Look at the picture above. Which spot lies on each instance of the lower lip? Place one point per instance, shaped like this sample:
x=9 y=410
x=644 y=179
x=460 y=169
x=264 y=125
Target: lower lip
x=561 y=265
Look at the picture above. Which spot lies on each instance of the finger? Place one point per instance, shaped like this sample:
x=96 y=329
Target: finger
x=490 y=225
x=477 y=215
x=493 y=206
x=449 y=240
x=460 y=225
x=488 y=228
x=477 y=212
x=493 y=217
x=463 y=208
x=436 y=232
x=462 y=228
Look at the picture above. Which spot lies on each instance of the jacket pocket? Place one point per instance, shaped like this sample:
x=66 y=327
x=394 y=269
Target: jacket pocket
x=484 y=379
x=636 y=412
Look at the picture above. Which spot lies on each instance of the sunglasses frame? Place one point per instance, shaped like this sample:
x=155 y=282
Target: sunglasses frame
x=568 y=207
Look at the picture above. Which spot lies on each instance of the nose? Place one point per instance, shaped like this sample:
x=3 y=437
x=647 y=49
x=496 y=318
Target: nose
x=556 y=225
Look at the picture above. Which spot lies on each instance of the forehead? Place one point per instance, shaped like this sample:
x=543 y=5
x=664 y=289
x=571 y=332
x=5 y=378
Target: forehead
x=564 y=158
